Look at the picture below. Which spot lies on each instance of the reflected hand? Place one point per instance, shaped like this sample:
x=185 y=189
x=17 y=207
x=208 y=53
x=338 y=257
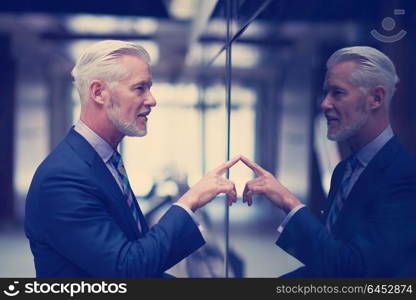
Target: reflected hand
x=265 y=183
x=212 y=184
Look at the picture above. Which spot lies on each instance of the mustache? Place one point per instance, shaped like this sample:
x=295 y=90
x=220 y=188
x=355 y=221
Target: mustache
x=329 y=115
x=144 y=113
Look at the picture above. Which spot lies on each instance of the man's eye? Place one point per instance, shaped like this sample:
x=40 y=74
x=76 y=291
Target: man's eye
x=140 y=88
x=337 y=93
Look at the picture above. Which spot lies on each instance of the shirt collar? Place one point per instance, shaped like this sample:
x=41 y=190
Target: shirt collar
x=365 y=154
x=103 y=149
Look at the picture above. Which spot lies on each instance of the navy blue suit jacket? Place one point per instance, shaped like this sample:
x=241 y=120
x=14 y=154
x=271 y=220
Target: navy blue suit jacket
x=375 y=233
x=79 y=224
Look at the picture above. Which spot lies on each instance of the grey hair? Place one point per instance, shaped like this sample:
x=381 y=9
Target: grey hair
x=373 y=68
x=102 y=61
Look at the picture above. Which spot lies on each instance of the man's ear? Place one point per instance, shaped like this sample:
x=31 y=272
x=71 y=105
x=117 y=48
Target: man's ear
x=98 y=91
x=378 y=97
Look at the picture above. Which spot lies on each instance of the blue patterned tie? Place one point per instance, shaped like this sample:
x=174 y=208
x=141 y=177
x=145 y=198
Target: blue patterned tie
x=351 y=164
x=118 y=165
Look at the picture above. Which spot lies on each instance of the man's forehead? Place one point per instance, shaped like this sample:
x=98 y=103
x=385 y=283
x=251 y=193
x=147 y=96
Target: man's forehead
x=140 y=77
x=333 y=83
x=343 y=68
x=142 y=81
x=339 y=74
x=138 y=70
x=328 y=81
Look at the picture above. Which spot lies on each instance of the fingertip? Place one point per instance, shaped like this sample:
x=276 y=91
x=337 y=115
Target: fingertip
x=236 y=157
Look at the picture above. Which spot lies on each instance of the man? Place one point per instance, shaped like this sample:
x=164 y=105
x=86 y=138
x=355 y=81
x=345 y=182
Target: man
x=369 y=220
x=82 y=218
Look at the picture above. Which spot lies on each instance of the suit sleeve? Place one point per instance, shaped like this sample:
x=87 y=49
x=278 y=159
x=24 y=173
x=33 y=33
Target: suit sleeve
x=309 y=241
x=384 y=237
x=78 y=225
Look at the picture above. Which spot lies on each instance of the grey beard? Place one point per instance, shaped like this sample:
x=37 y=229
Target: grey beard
x=126 y=128
x=347 y=132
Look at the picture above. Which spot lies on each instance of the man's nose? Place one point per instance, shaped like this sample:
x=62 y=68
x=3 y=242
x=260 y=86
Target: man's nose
x=326 y=103
x=151 y=101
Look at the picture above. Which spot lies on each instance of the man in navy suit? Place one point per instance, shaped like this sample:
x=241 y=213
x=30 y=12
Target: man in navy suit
x=367 y=227
x=82 y=218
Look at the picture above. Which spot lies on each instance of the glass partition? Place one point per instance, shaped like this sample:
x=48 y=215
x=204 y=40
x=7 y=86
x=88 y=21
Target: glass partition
x=250 y=83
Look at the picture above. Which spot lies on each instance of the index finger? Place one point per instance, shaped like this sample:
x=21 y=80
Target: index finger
x=225 y=166
x=252 y=165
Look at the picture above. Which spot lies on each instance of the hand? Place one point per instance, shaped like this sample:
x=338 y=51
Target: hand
x=212 y=184
x=265 y=183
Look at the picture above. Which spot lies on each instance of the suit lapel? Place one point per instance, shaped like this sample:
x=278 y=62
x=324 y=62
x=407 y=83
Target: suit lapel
x=358 y=195
x=143 y=223
x=115 y=199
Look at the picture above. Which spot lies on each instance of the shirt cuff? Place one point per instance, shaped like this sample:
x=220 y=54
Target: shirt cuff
x=288 y=217
x=192 y=215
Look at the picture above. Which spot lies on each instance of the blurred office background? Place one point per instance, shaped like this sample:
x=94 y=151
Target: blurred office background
x=276 y=69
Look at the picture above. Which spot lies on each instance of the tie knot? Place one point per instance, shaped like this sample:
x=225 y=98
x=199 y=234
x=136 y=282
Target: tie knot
x=115 y=159
x=353 y=162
